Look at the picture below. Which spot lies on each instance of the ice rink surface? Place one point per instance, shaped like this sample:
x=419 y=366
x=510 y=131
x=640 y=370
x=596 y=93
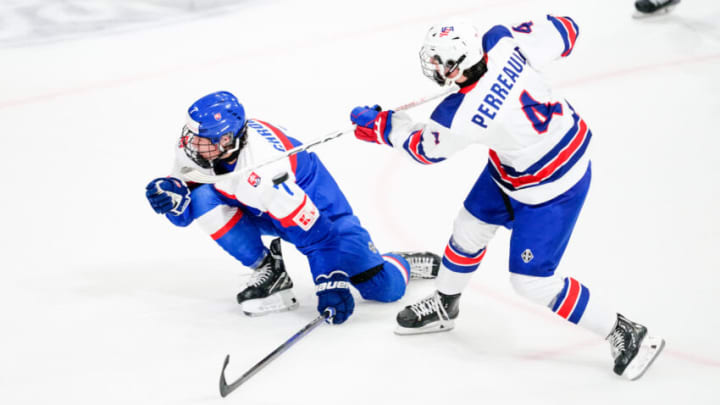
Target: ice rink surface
x=102 y=301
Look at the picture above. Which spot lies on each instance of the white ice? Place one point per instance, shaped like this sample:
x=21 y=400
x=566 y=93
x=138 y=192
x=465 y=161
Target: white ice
x=103 y=301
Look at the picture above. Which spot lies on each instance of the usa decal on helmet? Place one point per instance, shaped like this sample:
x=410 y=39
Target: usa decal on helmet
x=445 y=31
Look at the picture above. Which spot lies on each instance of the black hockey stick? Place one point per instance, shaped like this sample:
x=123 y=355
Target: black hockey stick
x=226 y=389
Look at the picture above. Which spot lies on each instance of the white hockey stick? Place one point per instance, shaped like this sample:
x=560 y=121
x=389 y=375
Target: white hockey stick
x=193 y=175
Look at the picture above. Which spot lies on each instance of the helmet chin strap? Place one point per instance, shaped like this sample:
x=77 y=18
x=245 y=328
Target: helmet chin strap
x=235 y=147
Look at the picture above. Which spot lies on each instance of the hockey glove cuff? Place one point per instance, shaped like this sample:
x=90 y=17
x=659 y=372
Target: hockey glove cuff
x=333 y=291
x=372 y=124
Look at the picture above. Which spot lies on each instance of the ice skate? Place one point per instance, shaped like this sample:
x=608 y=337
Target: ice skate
x=633 y=350
x=650 y=8
x=423 y=265
x=269 y=288
x=435 y=313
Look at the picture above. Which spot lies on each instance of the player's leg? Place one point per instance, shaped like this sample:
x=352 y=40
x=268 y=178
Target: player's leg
x=377 y=277
x=269 y=288
x=539 y=238
x=484 y=211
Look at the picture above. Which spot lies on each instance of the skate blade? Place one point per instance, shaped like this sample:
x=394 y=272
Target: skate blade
x=280 y=301
x=650 y=348
x=429 y=328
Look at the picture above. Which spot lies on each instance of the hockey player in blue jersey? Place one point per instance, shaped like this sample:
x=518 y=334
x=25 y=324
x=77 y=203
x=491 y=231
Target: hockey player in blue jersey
x=535 y=181
x=294 y=198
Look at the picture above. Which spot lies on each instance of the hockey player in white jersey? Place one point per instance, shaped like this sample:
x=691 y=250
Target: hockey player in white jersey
x=295 y=198
x=535 y=181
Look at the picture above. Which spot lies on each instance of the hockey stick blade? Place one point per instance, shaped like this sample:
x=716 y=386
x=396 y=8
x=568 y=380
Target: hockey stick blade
x=226 y=389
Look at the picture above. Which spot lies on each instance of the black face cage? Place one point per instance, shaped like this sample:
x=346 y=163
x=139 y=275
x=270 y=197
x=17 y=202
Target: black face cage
x=430 y=69
x=187 y=136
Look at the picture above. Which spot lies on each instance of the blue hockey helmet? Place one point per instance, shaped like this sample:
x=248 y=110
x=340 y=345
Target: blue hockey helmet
x=215 y=128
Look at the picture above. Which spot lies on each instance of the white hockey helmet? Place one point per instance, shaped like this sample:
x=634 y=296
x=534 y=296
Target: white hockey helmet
x=449 y=47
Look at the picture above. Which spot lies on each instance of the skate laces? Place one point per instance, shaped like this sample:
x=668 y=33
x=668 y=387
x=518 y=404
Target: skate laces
x=261 y=275
x=428 y=306
x=617 y=341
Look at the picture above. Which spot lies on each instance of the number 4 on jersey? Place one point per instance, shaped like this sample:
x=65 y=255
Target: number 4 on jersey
x=538 y=113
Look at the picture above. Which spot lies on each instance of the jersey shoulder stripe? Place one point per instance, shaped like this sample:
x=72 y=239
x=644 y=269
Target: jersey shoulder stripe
x=493 y=36
x=444 y=113
x=287 y=144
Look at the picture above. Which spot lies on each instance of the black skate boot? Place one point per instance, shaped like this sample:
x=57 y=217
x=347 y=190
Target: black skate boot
x=422 y=264
x=270 y=287
x=654 y=7
x=632 y=349
x=432 y=314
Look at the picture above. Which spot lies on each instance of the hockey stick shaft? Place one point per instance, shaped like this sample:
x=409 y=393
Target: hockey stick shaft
x=226 y=389
x=199 y=177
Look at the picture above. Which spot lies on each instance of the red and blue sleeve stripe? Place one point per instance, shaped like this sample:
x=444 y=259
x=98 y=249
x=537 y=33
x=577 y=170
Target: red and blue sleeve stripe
x=569 y=32
x=413 y=146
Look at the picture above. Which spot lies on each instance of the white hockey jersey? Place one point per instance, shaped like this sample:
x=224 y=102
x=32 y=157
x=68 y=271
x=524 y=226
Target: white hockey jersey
x=271 y=189
x=538 y=144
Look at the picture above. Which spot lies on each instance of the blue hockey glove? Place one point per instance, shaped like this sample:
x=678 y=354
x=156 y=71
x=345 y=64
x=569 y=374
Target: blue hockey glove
x=333 y=291
x=168 y=195
x=372 y=124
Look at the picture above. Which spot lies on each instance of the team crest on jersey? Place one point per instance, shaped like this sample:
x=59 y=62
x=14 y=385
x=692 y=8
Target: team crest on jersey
x=254 y=179
x=445 y=31
x=527 y=255
x=217 y=116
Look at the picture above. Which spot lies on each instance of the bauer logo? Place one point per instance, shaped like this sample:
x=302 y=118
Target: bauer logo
x=254 y=179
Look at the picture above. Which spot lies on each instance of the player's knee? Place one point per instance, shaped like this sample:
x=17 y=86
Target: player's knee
x=386 y=294
x=471 y=234
x=383 y=286
x=540 y=290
